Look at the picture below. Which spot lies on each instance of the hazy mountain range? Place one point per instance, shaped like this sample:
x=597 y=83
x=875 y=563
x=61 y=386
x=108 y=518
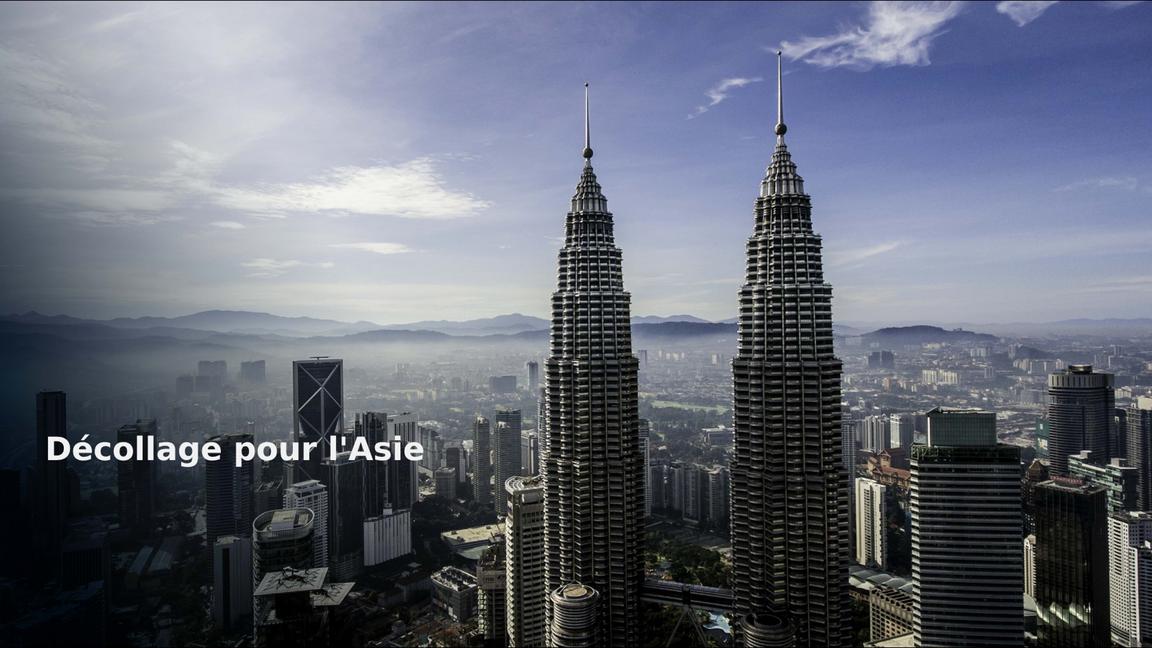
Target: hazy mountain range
x=267 y=324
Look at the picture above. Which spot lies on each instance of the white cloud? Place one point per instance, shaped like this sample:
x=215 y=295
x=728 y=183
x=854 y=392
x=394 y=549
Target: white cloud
x=232 y=225
x=894 y=33
x=856 y=255
x=1125 y=183
x=266 y=268
x=1023 y=12
x=720 y=91
x=379 y=247
x=409 y=190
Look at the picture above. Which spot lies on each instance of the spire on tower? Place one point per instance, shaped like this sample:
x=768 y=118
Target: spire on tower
x=780 y=127
x=587 y=131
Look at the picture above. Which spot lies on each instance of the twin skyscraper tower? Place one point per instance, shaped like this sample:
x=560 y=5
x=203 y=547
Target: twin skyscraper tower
x=789 y=500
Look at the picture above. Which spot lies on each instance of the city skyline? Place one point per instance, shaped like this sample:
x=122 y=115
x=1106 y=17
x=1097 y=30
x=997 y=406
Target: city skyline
x=366 y=197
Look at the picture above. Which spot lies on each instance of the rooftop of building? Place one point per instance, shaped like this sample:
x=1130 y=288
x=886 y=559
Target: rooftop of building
x=455 y=579
x=289 y=580
x=867 y=579
x=280 y=520
x=1071 y=485
x=460 y=539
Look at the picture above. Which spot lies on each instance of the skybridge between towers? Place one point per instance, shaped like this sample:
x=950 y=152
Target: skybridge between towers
x=696 y=597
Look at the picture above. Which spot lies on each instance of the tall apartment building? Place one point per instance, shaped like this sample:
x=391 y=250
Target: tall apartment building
x=871 y=523
x=524 y=562
x=1130 y=578
x=312 y=495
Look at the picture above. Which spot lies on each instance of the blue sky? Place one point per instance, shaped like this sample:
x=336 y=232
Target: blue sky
x=967 y=161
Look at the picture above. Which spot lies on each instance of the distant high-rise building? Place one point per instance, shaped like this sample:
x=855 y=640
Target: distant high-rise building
x=373 y=427
x=445 y=482
x=491 y=581
x=789 y=520
x=967 y=564
x=1080 y=404
x=1139 y=439
x=533 y=376
x=575 y=617
x=401 y=476
x=875 y=432
x=318 y=408
x=1130 y=578
x=482 y=461
x=529 y=453
x=227 y=491
x=717 y=503
x=1121 y=480
x=502 y=384
x=456 y=458
x=524 y=562
x=881 y=360
x=252 y=372
x=1030 y=566
x=1072 y=564
x=344 y=477
x=645 y=428
x=313 y=496
x=902 y=430
x=232 y=583
x=871 y=523
x=215 y=368
x=136 y=481
x=52 y=483
x=506 y=457
x=594 y=512
x=267 y=495
x=387 y=536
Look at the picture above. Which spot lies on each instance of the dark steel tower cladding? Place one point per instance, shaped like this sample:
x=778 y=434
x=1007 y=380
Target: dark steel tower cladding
x=227 y=491
x=482 y=470
x=789 y=509
x=1081 y=405
x=318 y=404
x=52 y=478
x=594 y=509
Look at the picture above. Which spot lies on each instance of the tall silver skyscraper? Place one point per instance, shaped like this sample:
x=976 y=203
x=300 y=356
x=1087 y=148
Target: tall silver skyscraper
x=789 y=521
x=318 y=408
x=594 y=509
x=1080 y=409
